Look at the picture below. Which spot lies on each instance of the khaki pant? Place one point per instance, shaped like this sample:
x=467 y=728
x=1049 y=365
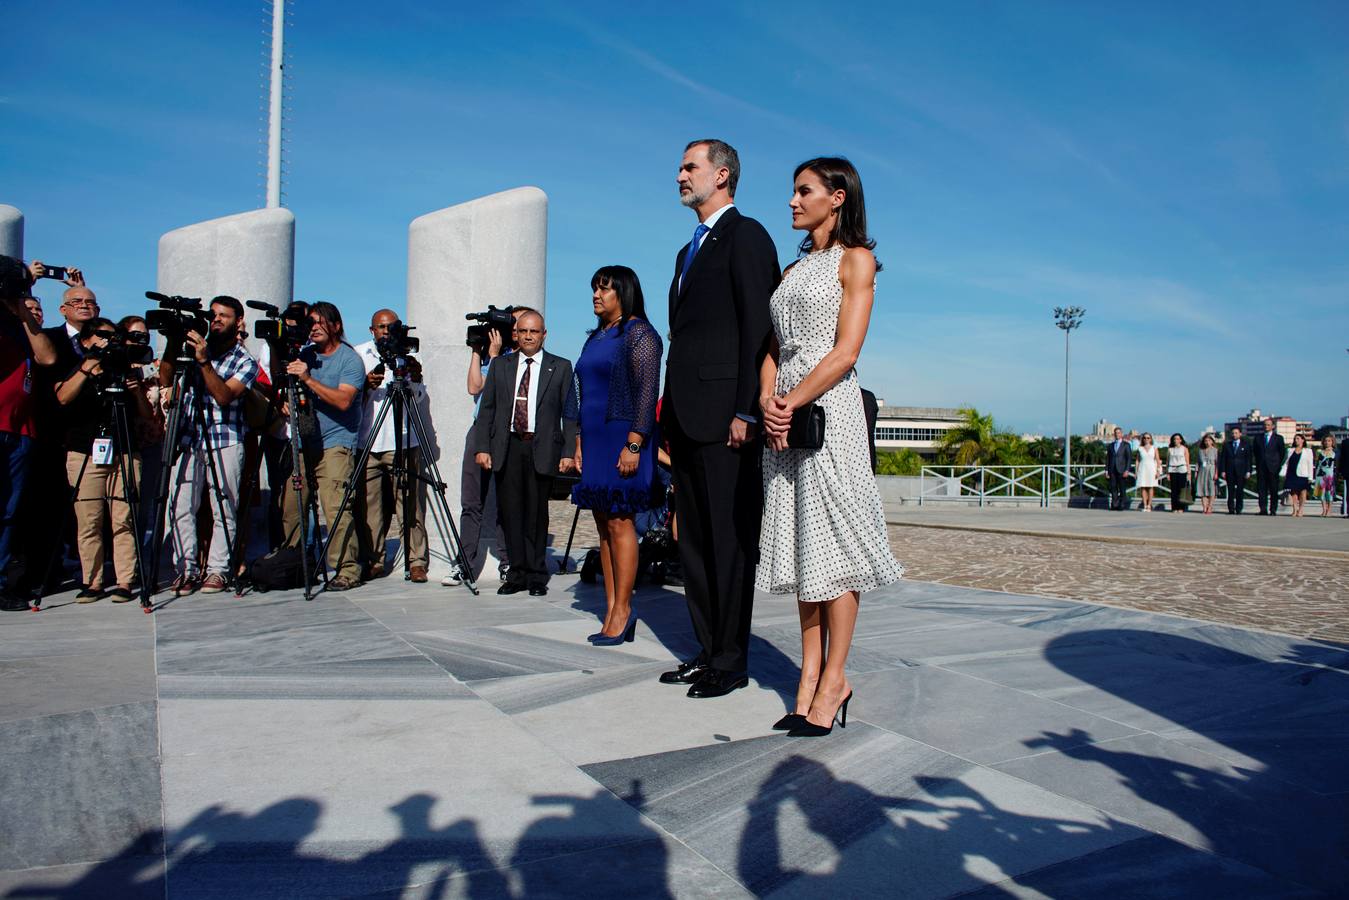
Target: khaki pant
x=378 y=473
x=329 y=470
x=98 y=488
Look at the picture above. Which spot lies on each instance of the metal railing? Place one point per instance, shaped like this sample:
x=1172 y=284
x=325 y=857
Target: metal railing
x=1045 y=484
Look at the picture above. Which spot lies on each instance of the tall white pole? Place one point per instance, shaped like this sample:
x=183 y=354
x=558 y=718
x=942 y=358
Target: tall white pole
x=274 y=114
x=1067 y=426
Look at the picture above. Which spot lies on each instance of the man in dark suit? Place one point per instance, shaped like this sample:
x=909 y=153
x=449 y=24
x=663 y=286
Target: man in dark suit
x=719 y=330
x=525 y=434
x=1234 y=465
x=1269 y=453
x=1119 y=459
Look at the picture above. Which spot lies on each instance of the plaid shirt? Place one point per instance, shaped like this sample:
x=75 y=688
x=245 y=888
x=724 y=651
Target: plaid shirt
x=224 y=425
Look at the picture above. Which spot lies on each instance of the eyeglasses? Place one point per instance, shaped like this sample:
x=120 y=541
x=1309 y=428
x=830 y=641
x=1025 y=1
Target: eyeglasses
x=81 y=302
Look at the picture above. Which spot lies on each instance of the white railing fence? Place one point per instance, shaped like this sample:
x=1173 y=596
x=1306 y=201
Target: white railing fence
x=1043 y=483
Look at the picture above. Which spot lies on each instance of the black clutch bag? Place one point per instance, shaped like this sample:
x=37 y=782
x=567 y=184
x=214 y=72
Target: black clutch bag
x=807 y=430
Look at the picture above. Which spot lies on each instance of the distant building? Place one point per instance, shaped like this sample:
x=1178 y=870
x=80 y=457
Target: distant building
x=1253 y=423
x=917 y=428
x=1103 y=430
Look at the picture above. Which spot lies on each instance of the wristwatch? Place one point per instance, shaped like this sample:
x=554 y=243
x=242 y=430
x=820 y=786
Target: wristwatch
x=634 y=447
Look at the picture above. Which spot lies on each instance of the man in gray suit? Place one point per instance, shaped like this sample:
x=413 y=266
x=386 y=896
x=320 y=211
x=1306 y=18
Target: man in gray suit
x=525 y=434
x=1119 y=459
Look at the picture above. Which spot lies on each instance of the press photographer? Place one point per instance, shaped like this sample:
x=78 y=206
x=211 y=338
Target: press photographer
x=22 y=346
x=477 y=491
x=331 y=371
x=390 y=345
x=211 y=434
x=95 y=450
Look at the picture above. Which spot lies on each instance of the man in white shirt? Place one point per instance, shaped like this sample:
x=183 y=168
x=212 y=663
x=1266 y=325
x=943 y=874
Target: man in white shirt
x=374 y=522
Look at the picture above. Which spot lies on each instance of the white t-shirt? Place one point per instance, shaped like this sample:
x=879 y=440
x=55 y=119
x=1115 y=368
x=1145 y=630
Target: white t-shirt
x=375 y=398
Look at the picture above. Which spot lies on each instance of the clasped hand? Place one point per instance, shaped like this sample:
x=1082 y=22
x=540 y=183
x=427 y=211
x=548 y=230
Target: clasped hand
x=777 y=420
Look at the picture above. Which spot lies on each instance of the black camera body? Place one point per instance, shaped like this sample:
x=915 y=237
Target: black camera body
x=121 y=353
x=286 y=331
x=397 y=344
x=479 y=336
x=176 y=316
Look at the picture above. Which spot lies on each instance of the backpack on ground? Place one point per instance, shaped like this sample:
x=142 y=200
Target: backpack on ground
x=280 y=570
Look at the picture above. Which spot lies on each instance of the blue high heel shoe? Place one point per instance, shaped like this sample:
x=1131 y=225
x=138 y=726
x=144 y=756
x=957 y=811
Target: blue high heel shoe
x=624 y=637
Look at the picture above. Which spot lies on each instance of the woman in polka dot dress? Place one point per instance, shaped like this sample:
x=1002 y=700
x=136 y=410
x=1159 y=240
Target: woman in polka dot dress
x=823 y=536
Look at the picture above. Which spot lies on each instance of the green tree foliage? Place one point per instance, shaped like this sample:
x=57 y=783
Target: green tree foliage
x=1046 y=450
x=976 y=441
x=905 y=461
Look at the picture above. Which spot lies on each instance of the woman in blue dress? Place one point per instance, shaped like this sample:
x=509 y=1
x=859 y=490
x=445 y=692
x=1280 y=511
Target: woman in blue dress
x=618 y=376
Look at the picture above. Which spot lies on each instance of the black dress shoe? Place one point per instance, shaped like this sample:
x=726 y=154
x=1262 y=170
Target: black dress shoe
x=510 y=587
x=717 y=683
x=686 y=673
x=538 y=590
x=790 y=721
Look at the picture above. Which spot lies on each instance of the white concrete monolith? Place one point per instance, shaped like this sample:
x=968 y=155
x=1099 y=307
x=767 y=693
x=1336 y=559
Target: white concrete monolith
x=250 y=256
x=11 y=232
x=489 y=251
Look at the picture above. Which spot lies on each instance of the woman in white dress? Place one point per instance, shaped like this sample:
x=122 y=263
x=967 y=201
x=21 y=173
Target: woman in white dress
x=1146 y=471
x=823 y=537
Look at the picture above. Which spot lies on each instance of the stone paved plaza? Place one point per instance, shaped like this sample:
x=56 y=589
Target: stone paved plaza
x=1299 y=594
x=414 y=741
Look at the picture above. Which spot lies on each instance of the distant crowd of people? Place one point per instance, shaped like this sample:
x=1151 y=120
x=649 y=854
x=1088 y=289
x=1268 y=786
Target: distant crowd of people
x=1296 y=471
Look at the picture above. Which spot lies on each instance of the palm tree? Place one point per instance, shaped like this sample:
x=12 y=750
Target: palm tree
x=972 y=442
x=1045 y=450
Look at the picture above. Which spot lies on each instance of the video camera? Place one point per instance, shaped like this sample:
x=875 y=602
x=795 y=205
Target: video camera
x=177 y=316
x=287 y=330
x=395 y=346
x=122 y=352
x=479 y=336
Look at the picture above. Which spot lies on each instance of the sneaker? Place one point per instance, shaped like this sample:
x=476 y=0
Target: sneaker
x=213 y=584
x=184 y=585
x=120 y=594
x=342 y=584
x=89 y=595
x=452 y=580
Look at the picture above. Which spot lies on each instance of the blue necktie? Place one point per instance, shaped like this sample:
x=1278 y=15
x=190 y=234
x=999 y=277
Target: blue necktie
x=693 y=250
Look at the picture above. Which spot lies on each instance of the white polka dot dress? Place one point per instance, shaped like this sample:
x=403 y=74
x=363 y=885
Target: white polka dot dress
x=823 y=524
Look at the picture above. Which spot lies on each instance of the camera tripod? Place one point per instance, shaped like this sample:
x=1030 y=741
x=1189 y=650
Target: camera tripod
x=294 y=398
x=187 y=377
x=117 y=429
x=399 y=398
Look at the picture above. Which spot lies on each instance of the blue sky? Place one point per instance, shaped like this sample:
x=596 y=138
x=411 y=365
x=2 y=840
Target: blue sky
x=1181 y=170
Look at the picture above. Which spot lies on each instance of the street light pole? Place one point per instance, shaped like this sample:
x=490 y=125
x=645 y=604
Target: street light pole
x=1067 y=318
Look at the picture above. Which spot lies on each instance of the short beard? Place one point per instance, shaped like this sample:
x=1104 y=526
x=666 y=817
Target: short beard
x=693 y=199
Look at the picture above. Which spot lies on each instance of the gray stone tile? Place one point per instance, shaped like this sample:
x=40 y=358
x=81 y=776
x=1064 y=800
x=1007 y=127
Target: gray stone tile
x=472 y=654
x=51 y=685
x=135 y=876
x=971 y=640
x=1266 y=647
x=1241 y=814
x=1141 y=675
x=79 y=786
x=399 y=678
x=341 y=780
x=857 y=814
x=401 y=617
x=286 y=644
x=1149 y=868
x=965 y=716
x=622 y=712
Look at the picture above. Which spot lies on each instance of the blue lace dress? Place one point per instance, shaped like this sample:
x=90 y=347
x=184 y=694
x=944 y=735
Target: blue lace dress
x=618 y=377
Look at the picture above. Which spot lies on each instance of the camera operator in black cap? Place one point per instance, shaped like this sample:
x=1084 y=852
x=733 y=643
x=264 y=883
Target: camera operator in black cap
x=98 y=469
x=22 y=347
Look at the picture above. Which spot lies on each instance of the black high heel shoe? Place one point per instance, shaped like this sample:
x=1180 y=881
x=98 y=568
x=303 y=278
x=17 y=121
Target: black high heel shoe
x=789 y=721
x=810 y=729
